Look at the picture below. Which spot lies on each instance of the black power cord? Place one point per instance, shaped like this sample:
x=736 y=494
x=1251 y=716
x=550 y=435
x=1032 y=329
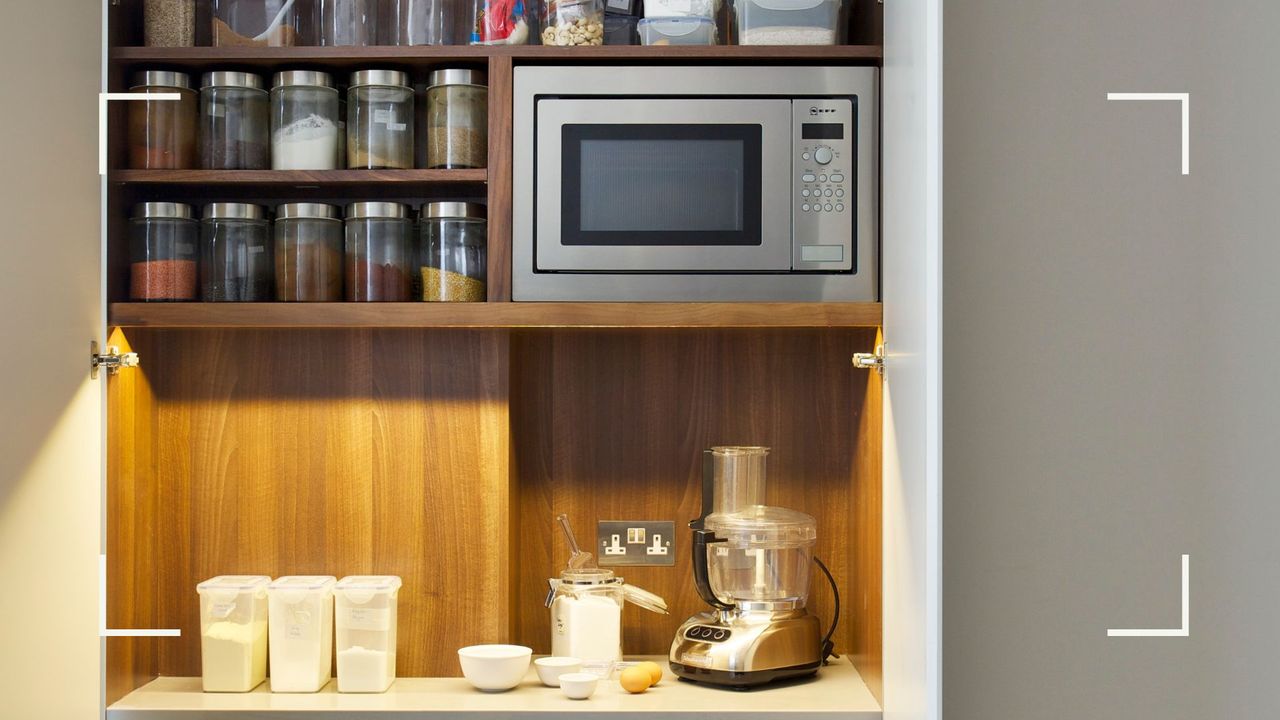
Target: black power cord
x=828 y=647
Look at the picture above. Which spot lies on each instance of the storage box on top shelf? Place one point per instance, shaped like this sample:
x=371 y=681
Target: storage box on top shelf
x=678 y=31
x=681 y=8
x=621 y=30
x=790 y=22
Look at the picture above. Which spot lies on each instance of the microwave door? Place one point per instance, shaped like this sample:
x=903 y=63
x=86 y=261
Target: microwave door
x=663 y=185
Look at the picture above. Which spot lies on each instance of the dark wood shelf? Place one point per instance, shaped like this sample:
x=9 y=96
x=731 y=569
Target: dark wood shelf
x=495 y=315
x=350 y=57
x=331 y=178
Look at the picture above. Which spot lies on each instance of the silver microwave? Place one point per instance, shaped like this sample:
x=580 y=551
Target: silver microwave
x=705 y=183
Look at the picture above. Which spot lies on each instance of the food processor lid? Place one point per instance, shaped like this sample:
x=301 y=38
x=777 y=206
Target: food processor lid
x=764 y=526
x=588 y=576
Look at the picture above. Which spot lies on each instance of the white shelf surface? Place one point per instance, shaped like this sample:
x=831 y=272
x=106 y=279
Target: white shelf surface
x=838 y=693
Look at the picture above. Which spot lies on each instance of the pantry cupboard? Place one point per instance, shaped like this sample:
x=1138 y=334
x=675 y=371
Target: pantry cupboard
x=435 y=442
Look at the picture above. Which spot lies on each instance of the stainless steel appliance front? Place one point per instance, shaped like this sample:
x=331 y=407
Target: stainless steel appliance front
x=696 y=184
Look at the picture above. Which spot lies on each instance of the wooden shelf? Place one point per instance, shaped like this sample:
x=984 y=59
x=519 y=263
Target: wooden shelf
x=310 y=178
x=495 y=315
x=349 y=57
x=837 y=694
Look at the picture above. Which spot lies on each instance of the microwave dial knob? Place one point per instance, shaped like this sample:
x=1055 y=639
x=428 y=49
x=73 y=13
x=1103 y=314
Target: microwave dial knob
x=823 y=155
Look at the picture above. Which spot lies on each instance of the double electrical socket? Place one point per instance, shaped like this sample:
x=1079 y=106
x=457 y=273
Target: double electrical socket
x=635 y=542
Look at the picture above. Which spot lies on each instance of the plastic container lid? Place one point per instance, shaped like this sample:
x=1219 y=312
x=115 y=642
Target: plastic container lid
x=791 y=5
x=764 y=526
x=234 y=583
x=303 y=582
x=677 y=26
x=360 y=589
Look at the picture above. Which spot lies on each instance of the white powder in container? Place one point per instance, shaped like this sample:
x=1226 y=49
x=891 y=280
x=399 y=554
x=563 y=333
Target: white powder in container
x=784 y=35
x=588 y=627
x=307 y=144
x=233 y=656
x=364 y=670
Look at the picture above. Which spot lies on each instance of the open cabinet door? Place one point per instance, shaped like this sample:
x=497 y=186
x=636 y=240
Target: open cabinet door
x=911 y=264
x=51 y=292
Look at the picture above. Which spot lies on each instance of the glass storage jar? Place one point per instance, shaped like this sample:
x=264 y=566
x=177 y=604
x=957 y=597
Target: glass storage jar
x=418 y=22
x=379 y=257
x=162 y=133
x=169 y=23
x=380 y=120
x=573 y=22
x=348 y=22
x=305 y=121
x=500 y=22
x=586 y=616
x=258 y=23
x=235 y=254
x=163 y=250
x=457 y=119
x=234 y=111
x=454 y=264
x=308 y=240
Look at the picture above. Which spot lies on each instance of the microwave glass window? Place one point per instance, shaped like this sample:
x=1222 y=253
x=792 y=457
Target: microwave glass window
x=649 y=185
x=661 y=185
x=822 y=131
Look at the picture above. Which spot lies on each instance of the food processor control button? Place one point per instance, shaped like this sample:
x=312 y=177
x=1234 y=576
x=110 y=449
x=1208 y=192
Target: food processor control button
x=720 y=635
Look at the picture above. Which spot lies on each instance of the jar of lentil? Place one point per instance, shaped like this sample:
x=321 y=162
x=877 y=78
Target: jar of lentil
x=457 y=119
x=162 y=133
x=379 y=258
x=380 y=120
x=163 y=242
x=234 y=112
x=305 y=121
x=308 y=239
x=169 y=23
x=235 y=254
x=454 y=263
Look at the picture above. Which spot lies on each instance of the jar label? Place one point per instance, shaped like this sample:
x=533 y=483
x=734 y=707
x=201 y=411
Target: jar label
x=382 y=116
x=360 y=618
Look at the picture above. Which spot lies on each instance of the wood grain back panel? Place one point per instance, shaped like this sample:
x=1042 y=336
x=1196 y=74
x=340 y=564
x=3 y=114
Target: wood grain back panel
x=866 y=537
x=317 y=452
x=611 y=426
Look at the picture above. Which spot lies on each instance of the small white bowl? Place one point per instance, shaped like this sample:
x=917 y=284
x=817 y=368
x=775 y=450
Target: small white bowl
x=551 y=668
x=494 y=668
x=579 y=685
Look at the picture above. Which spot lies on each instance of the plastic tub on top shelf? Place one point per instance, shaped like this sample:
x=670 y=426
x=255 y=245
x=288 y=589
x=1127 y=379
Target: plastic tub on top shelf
x=789 y=22
x=677 y=31
x=365 y=624
x=681 y=8
x=233 y=632
x=301 y=632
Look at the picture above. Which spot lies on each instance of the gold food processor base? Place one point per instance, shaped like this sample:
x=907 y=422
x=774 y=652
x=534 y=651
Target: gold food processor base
x=747 y=648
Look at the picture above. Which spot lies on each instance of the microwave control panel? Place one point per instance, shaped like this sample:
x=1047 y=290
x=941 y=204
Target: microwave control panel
x=823 y=188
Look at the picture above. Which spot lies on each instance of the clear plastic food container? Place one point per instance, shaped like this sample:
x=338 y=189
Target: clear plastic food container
x=233 y=632
x=301 y=632
x=677 y=31
x=621 y=30
x=680 y=8
x=789 y=22
x=365 y=623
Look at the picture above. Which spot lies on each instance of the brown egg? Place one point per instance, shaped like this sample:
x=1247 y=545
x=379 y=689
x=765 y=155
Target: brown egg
x=655 y=671
x=635 y=679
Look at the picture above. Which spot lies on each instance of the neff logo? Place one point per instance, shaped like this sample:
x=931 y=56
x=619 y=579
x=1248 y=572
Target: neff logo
x=815 y=110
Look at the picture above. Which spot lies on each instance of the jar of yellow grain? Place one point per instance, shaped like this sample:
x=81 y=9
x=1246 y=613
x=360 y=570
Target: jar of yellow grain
x=454 y=262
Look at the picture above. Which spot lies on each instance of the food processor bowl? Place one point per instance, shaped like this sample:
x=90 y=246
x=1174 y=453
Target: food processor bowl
x=765 y=556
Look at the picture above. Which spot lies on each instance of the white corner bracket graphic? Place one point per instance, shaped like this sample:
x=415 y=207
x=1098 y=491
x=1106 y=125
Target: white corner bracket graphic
x=1185 y=99
x=102 y=117
x=1185 y=630
x=102 y=611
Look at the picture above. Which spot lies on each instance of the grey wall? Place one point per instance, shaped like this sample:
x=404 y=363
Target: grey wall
x=1111 y=341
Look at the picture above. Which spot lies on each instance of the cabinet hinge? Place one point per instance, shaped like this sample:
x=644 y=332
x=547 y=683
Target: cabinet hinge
x=871 y=360
x=113 y=360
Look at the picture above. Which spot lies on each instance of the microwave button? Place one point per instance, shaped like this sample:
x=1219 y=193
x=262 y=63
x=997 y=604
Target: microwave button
x=823 y=155
x=837 y=178
x=804 y=155
x=821 y=253
x=827 y=192
x=804 y=192
x=817 y=207
x=822 y=178
x=827 y=207
x=805 y=207
x=839 y=207
x=839 y=192
x=808 y=177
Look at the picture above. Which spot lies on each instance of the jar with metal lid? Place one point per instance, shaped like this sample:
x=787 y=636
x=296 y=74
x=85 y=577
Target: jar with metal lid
x=586 y=615
x=304 y=121
x=235 y=254
x=308 y=240
x=380 y=120
x=234 y=110
x=162 y=133
x=454 y=262
x=379 y=256
x=457 y=119
x=163 y=250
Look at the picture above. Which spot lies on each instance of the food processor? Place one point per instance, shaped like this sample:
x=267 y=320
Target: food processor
x=751 y=564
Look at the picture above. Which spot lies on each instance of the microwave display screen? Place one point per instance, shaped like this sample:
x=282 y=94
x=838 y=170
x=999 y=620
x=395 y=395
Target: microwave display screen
x=651 y=185
x=822 y=131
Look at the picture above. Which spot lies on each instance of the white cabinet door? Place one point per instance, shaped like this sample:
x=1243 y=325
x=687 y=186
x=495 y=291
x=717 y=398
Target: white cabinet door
x=911 y=261
x=51 y=307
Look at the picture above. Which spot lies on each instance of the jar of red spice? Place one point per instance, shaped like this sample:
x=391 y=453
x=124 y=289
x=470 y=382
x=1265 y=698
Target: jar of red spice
x=379 y=264
x=162 y=133
x=163 y=247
